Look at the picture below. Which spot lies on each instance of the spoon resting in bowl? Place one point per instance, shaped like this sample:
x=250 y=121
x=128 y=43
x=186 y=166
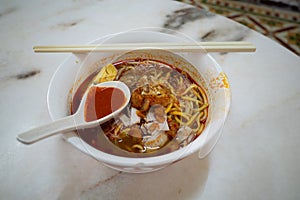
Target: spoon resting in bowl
x=99 y=104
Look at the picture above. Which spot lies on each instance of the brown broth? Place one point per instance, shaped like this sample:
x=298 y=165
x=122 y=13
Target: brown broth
x=94 y=136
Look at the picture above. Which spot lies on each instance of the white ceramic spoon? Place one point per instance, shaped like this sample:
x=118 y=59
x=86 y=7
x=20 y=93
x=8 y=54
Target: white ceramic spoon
x=75 y=121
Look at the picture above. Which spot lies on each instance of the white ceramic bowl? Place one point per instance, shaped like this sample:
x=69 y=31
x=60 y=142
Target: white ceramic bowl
x=201 y=66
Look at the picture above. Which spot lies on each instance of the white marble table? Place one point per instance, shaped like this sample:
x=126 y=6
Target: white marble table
x=257 y=156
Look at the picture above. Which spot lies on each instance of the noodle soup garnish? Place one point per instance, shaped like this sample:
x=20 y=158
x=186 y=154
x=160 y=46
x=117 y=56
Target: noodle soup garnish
x=167 y=110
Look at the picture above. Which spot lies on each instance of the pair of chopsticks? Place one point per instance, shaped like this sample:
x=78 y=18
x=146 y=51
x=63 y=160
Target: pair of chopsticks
x=179 y=47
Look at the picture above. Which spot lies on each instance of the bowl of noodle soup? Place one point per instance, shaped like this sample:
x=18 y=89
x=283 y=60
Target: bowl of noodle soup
x=179 y=102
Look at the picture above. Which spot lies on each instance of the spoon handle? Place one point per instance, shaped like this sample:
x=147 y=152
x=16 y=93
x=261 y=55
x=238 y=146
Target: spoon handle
x=62 y=125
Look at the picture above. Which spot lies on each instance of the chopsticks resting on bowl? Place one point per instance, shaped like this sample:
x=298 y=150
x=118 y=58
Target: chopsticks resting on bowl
x=178 y=47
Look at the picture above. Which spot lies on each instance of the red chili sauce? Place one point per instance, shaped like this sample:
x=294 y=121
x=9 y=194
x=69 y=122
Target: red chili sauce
x=102 y=101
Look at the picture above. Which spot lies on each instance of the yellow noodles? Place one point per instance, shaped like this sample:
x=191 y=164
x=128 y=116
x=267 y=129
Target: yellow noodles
x=204 y=116
x=188 y=89
x=169 y=108
x=180 y=114
x=203 y=94
x=192 y=119
x=178 y=120
x=191 y=99
x=202 y=108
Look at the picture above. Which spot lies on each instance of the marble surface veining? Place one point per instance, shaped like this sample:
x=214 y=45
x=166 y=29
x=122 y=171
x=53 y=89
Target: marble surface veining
x=256 y=157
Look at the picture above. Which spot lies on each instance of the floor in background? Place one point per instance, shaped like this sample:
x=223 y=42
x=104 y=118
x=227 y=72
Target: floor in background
x=281 y=25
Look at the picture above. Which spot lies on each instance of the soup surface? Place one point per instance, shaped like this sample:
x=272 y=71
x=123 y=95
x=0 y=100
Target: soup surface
x=167 y=109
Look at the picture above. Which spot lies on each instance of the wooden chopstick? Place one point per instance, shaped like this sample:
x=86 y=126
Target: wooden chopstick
x=181 y=47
